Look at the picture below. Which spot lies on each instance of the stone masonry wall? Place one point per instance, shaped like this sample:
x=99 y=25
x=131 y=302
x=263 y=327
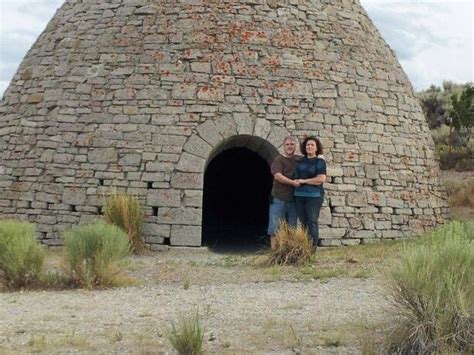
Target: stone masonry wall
x=138 y=94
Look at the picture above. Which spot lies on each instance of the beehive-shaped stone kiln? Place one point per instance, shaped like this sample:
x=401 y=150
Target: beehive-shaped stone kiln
x=184 y=103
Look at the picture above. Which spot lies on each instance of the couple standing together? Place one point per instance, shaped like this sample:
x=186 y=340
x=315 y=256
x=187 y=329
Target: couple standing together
x=297 y=191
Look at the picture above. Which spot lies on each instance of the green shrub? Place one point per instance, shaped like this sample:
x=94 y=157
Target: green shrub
x=433 y=292
x=56 y=280
x=21 y=256
x=187 y=336
x=460 y=158
x=440 y=135
x=125 y=211
x=95 y=254
x=293 y=246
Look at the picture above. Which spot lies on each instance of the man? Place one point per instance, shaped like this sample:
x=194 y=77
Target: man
x=282 y=207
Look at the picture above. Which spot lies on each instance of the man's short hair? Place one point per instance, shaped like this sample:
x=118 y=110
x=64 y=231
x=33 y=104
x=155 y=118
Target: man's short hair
x=290 y=138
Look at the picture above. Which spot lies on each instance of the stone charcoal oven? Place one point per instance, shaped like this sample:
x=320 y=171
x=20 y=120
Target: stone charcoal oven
x=185 y=103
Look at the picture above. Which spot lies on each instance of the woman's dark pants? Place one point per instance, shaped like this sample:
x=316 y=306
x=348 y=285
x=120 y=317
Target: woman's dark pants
x=308 y=209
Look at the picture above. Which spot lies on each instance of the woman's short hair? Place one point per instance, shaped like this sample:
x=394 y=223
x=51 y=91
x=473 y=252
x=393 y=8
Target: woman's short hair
x=319 y=145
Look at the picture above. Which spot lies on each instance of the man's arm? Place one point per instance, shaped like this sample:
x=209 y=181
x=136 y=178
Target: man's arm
x=284 y=180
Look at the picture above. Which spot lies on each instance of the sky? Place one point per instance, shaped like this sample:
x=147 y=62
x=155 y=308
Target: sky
x=433 y=39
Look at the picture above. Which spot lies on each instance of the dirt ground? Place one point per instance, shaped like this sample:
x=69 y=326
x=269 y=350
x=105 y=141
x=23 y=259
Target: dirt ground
x=243 y=307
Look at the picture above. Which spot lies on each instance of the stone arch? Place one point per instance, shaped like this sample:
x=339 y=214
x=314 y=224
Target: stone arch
x=236 y=190
x=263 y=148
x=213 y=135
x=227 y=133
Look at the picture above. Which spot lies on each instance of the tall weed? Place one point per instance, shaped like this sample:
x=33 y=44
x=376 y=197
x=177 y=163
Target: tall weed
x=433 y=292
x=187 y=335
x=96 y=254
x=126 y=212
x=21 y=256
x=293 y=246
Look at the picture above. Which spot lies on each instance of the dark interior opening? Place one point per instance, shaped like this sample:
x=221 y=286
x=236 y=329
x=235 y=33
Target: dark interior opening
x=237 y=186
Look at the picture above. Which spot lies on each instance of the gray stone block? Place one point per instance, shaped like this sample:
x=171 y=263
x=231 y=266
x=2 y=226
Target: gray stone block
x=103 y=155
x=209 y=132
x=131 y=160
x=185 y=91
x=211 y=93
x=163 y=198
x=190 y=163
x=197 y=146
x=74 y=196
x=185 y=235
x=156 y=232
x=187 y=180
x=325 y=216
x=193 y=198
x=329 y=242
x=357 y=199
x=180 y=215
x=392 y=202
x=332 y=233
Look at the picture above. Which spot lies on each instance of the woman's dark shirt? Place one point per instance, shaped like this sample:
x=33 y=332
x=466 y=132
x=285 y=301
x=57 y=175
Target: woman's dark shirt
x=309 y=168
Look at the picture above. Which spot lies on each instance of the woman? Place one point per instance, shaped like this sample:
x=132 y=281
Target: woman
x=311 y=174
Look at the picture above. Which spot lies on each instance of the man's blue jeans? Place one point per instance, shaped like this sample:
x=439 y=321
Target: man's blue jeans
x=281 y=211
x=308 y=209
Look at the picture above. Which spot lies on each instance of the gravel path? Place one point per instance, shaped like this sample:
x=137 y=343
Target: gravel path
x=238 y=316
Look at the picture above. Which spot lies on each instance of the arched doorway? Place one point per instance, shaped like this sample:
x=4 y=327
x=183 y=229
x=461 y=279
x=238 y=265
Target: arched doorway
x=237 y=186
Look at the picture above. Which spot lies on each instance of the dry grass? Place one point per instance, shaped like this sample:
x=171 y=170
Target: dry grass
x=44 y=343
x=361 y=261
x=21 y=256
x=432 y=291
x=187 y=335
x=460 y=191
x=126 y=212
x=96 y=253
x=200 y=267
x=293 y=246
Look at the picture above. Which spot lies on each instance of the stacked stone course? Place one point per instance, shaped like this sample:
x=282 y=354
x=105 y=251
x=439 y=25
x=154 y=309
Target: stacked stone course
x=140 y=95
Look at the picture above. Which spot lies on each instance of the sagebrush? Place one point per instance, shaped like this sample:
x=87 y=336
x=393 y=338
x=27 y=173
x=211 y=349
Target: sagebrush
x=460 y=192
x=126 y=212
x=21 y=255
x=433 y=292
x=96 y=254
x=187 y=335
x=459 y=158
x=292 y=246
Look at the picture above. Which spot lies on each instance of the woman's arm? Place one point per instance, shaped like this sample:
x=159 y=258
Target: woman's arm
x=317 y=180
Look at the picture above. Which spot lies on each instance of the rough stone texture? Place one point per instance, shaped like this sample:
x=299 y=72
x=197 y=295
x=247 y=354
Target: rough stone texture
x=140 y=95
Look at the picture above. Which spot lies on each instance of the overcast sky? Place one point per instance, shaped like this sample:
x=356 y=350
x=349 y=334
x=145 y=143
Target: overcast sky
x=432 y=38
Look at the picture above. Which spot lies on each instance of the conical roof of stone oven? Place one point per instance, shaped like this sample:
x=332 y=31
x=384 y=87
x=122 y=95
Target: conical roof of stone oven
x=141 y=94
